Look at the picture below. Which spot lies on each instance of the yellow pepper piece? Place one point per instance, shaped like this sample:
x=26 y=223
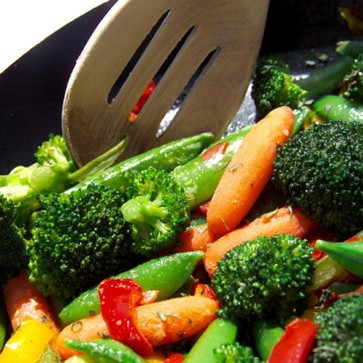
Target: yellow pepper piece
x=28 y=342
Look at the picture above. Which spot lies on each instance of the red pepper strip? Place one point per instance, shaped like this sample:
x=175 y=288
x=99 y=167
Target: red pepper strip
x=118 y=299
x=219 y=148
x=142 y=100
x=296 y=342
x=320 y=233
x=174 y=358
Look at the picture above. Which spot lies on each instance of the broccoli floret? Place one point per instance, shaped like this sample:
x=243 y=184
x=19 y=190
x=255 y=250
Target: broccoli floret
x=13 y=258
x=53 y=171
x=353 y=81
x=274 y=86
x=265 y=277
x=340 y=330
x=77 y=239
x=236 y=353
x=157 y=209
x=320 y=171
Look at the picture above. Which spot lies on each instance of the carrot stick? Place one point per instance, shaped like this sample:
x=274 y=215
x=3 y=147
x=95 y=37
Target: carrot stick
x=23 y=300
x=282 y=221
x=194 y=240
x=161 y=322
x=248 y=171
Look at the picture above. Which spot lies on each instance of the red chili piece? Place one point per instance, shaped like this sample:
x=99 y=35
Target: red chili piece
x=118 y=299
x=296 y=342
x=142 y=100
x=174 y=358
x=219 y=148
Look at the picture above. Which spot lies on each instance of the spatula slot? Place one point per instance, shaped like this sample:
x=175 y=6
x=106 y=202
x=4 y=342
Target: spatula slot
x=177 y=105
x=170 y=58
x=115 y=89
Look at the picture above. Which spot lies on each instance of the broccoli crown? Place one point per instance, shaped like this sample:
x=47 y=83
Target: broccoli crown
x=353 y=81
x=236 y=353
x=274 y=86
x=265 y=277
x=54 y=152
x=77 y=239
x=320 y=170
x=48 y=174
x=340 y=330
x=157 y=209
x=12 y=244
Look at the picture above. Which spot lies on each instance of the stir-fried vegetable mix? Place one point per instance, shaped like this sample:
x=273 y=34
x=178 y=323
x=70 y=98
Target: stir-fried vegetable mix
x=243 y=249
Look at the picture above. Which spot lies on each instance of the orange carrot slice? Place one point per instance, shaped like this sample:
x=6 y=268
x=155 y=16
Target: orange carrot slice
x=23 y=300
x=282 y=221
x=248 y=171
x=161 y=322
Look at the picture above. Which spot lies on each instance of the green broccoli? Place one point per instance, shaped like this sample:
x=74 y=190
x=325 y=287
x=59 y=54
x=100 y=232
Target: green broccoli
x=236 y=353
x=320 y=171
x=12 y=242
x=265 y=278
x=273 y=85
x=53 y=171
x=353 y=81
x=157 y=210
x=77 y=239
x=340 y=330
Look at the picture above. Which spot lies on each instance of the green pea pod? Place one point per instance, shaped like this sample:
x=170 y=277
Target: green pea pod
x=219 y=332
x=266 y=333
x=106 y=351
x=200 y=176
x=333 y=107
x=348 y=254
x=166 y=274
x=165 y=157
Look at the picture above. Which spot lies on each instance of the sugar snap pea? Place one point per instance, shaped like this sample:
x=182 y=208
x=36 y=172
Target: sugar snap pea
x=165 y=157
x=106 y=351
x=266 y=333
x=333 y=107
x=348 y=254
x=219 y=332
x=166 y=274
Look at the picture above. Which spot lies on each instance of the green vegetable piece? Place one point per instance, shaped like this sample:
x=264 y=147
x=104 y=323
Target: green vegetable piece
x=340 y=330
x=165 y=157
x=3 y=323
x=166 y=274
x=219 y=332
x=157 y=211
x=333 y=107
x=200 y=176
x=350 y=47
x=320 y=171
x=348 y=254
x=266 y=333
x=326 y=271
x=264 y=278
x=50 y=356
x=106 y=351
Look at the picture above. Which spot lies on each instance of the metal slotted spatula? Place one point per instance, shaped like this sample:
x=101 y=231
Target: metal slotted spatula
x=199 y=53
